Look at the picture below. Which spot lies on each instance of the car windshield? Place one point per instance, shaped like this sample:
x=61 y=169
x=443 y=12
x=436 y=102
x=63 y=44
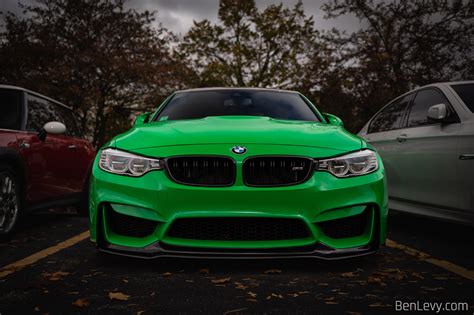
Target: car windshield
x=235 y=102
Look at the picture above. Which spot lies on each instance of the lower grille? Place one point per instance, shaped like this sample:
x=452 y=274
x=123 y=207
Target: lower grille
x=276 y=171
x=202 y=170
x=238 y=229
x=346 y=227
x=130 y=226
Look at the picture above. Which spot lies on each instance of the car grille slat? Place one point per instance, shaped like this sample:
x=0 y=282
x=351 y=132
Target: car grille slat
x=238 y=229
x=276 y=170
x=202 y=170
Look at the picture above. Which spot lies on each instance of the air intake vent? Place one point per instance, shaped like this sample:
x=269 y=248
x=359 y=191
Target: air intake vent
x=202 y=170
x=346 y=227
x=276 y=171
x=238 y=229
x=130 y=226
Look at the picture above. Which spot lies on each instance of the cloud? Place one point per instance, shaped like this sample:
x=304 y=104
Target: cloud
x=178 y=15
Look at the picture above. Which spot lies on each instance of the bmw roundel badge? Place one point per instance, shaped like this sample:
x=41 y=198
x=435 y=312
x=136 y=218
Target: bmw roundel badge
x=239 y=149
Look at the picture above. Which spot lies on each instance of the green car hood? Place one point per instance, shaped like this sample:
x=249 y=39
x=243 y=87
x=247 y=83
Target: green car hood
x=238 y=130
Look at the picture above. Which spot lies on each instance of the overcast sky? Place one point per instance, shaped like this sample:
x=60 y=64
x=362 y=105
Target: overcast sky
x=178 y=15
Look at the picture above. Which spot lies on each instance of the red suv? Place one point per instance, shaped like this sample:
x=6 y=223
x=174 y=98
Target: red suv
x=43 y=160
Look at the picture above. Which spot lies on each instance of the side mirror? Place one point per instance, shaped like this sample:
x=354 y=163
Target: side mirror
x=141 y=119
x=437 y=112
x=333 y=120
x=52 y=127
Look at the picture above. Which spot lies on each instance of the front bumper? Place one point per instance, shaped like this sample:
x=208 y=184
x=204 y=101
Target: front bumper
x=154 y=197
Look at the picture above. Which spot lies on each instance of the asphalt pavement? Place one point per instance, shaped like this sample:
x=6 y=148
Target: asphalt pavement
x=426 y=261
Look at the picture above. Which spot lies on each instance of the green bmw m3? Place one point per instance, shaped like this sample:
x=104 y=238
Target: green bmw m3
x=238 y=173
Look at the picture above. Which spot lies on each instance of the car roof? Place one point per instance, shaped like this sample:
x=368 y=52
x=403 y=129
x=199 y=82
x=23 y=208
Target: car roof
x=440 y=84
x=235 y=88
x=436 y=85
x=19 y=88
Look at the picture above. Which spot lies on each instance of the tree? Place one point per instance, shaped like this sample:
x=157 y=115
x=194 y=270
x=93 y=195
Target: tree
x=248 y=47
x=100 y=58
x=404 y=44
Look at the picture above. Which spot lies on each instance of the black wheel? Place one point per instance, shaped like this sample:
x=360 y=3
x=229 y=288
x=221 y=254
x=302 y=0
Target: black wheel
x=10 y=200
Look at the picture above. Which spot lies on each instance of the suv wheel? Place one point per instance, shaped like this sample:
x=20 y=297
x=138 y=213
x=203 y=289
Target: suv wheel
x=9 y=200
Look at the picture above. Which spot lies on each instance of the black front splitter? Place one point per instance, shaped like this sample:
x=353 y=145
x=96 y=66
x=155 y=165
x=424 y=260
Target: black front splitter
x=158 y=250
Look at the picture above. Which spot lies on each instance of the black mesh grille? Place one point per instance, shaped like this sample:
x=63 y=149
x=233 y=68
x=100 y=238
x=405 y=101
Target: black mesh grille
x=346 y=227
x=238 y=229
x=130 y=226
x=276 y=171
x=202 y=171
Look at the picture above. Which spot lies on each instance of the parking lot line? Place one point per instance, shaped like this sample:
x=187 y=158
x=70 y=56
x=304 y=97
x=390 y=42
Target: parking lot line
x=25 y=262
x=460 y=271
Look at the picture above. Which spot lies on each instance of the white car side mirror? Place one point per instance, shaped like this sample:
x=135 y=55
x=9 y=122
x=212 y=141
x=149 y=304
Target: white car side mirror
x=437 y=112
x=54 y=127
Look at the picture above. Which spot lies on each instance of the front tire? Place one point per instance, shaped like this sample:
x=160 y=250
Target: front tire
x=10 y=200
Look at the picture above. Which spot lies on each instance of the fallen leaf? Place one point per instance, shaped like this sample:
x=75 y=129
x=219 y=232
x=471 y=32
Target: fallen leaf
x=240 y=286
x=204 y=270
x=252 y=294
x=252 y=300
x=274 y=295
x=139 y=312
x=375 y=280
x=125 y=280
x=349 y=274
x=272 y=271
x=221 y=281
x=417 y=275
x=293 y=294
x=167 y=274
x=118 y=296
x=55 y=276
x=81 y=303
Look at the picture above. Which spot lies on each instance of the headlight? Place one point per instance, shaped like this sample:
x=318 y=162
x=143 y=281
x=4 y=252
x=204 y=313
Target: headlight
x=124 y=163
x=353 y=164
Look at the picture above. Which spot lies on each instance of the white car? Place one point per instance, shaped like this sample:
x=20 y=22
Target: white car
x=426 y=140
